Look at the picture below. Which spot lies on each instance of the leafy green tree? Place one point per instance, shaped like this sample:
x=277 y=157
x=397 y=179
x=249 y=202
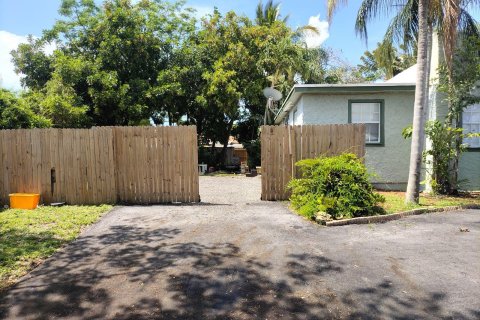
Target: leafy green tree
x=131 y=63
x=108 y=59
x=31 y=61
x=17 y=115
x=216 y=77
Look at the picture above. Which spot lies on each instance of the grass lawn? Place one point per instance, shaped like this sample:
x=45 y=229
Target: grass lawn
x=395 y=201
x=29 y=236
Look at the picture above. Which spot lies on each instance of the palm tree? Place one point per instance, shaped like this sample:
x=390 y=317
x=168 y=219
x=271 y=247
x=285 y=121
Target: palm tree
x=450 y=18
x=282 y=76
x=268 y=14
x=420 y=105
x=413 y=24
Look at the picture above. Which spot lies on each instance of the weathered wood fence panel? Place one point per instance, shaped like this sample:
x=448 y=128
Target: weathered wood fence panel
x=101 y=165
x=156 y=164
x=283 y=146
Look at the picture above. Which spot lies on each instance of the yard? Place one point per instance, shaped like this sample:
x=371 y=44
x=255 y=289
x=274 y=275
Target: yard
x=236 y=257
x=395 y=201
x=27 y=237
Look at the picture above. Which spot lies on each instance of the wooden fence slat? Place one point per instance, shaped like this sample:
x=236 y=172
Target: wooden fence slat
x=2 y=173
x=160 y=158
x=101 y=165
x=283 y=146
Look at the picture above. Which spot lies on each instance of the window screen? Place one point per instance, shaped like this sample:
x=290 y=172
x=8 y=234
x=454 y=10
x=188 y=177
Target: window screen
x=368 y=113
x=471 y=124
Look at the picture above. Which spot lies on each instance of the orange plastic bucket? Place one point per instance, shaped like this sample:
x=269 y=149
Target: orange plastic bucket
x=24 y=200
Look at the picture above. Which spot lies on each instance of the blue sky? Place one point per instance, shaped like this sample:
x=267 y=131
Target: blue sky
x=19 y=18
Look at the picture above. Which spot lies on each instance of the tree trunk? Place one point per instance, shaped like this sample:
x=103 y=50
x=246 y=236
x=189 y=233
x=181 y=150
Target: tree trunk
x=454 y=166
x=418 y=134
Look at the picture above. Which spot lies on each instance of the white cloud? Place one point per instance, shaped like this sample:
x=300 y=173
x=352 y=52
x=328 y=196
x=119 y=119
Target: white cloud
x=8 y=42
x=313 y=39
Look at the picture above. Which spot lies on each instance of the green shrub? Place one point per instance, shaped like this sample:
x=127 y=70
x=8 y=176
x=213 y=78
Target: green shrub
x=335 y=186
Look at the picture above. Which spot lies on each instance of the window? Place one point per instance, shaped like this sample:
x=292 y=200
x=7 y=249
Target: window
x=471 y=124
x=370 y=113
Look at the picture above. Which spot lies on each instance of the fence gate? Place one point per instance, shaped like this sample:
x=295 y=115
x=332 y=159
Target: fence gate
x=283 y=146
x=140 y=165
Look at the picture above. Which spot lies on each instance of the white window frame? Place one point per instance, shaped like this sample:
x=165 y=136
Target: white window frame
x=380 y=104
x=473 y=143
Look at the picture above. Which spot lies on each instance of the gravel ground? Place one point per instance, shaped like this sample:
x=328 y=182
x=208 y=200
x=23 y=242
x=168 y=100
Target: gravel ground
x=236 y=257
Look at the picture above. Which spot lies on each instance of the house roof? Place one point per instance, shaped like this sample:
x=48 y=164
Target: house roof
x=300 y=89
x=406 y=76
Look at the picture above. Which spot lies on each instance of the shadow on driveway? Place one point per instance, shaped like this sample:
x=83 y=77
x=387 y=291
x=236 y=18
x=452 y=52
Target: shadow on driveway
x=137 y=273
x=239 y=258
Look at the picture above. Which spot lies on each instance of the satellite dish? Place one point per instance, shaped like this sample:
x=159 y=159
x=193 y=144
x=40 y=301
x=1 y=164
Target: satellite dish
x=271 y=93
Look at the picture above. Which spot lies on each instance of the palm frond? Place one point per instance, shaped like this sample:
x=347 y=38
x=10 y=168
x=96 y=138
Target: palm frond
x=451 y=18
x=468 y=26
x=370 y=9
x=332 y=6
x=403 y=28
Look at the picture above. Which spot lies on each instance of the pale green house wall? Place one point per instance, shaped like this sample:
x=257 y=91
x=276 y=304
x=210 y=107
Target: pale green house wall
x=469 y=166
x=328 y=104
x=470 y=170
x=390 y=162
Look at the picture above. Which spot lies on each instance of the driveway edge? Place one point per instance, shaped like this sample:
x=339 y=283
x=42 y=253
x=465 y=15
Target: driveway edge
x=396 y=216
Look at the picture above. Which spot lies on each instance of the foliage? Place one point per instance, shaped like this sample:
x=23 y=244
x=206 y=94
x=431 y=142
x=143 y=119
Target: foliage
x=29 y=236
x=337 y=186
x=458 y=84
x=385 y=62
x=440 y=156
x=125 y=62
x=442 y=153
x=254 y=153
x=268 y=14
x=217 y=75
x=15 y=114
x=413 y=22
x=106 y=62
x=209 y=156
x=33 y=63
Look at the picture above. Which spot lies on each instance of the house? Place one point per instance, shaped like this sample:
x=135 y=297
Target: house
x=386 y=109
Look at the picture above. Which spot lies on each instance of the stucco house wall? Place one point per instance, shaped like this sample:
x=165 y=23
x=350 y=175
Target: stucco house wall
x=295 y=117
x=469 y=165
x=389 y=162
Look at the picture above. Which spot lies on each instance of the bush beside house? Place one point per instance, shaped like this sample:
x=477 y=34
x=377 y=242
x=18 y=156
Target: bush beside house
x=334 y=187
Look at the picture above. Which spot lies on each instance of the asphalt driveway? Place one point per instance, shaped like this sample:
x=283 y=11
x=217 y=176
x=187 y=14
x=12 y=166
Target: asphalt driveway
x=235 y=257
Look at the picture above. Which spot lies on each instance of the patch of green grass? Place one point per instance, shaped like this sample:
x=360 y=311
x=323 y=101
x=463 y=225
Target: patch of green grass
x=395 y=201
x=29 y=236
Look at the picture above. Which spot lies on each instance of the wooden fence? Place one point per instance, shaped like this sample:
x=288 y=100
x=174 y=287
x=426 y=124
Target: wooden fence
x=283 y=146
x=140 y=165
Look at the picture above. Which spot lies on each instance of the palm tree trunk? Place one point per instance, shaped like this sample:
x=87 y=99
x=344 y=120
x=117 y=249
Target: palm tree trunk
x=418 y=134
